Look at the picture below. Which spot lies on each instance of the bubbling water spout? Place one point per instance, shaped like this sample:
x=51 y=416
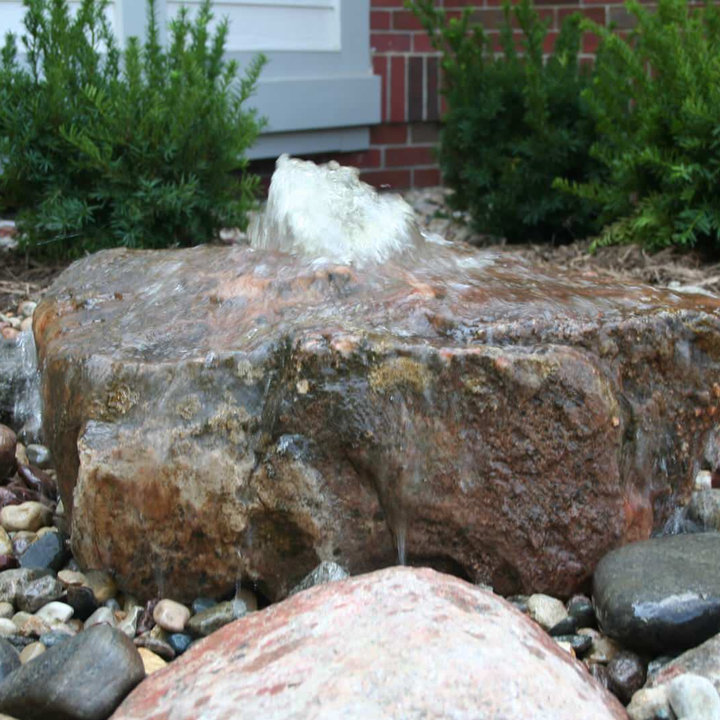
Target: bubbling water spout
x=326 y=212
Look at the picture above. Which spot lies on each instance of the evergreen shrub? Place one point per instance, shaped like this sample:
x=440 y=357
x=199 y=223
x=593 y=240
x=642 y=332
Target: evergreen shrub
x=515 y=122
x=656 y=100
x=142 y=147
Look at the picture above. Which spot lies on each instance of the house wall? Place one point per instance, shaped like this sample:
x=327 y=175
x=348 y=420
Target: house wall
x=401 y=152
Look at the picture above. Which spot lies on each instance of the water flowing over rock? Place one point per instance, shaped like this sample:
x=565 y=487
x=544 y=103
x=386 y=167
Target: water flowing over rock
x=398 y=643
x=230 y=412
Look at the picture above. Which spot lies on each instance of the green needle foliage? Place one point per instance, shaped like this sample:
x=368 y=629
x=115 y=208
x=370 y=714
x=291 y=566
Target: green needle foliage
x=515 y=123
x=143 y=147
x=656 y=100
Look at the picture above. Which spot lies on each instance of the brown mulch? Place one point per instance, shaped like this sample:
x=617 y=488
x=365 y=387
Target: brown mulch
x=22 y=278
x=631 y=263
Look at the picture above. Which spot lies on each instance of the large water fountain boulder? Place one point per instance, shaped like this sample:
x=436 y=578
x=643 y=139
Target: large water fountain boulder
x=229 y=413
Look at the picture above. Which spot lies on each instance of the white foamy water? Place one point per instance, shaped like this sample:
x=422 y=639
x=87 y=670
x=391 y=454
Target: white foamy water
x=326 y=212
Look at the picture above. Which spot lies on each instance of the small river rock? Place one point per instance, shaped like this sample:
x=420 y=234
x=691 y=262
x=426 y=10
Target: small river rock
x=82 y=600
x=36 y=593
x=650 y=704
x=151 y=662
x=626 y=675
x=546 y=611
x=694 y=698
x=325 y=572
x=9 y=658
x=703 y=660
x=212 y=619
x=31 y=651
x=398 y=643
x=49 y=551
x=82 y=679
x=8 y=441
x=12 y=582
x=703 y=510
x=38 y=455
x=171 y=615
x=662 y=594
x=29 y=516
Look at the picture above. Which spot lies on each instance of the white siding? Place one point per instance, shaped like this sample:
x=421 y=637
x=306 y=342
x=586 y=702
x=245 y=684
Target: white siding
x=276 y=25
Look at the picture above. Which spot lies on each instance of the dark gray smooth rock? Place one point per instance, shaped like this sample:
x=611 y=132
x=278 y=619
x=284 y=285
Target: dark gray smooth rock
x=84 y=678
x=49 y=551
x=82 y=600
x=662 y=594
x=9 y=658
x=626 y=675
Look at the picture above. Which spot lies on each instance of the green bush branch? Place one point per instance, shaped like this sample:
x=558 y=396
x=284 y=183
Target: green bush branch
x=142 y=148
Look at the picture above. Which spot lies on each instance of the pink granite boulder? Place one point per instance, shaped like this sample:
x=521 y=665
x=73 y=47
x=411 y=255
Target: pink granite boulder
x=400 y=644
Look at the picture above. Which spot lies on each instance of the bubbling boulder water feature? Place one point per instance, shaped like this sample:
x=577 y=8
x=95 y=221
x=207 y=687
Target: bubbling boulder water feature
x=242 y=412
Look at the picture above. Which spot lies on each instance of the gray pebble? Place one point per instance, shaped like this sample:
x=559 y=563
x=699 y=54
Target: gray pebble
x=37 y=593
x=693 y=697
x=325 y=572
x=38 y=455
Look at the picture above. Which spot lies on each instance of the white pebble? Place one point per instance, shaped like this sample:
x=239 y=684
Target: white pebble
x=6 y=610
x=693 y=697
x=55 y=612
x=545 y=610
x=7 y=627
x=29 y=516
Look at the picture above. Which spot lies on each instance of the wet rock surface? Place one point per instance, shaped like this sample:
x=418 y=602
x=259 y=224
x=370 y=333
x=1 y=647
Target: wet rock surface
x=465 y=411
x=662 y=594
x=83 y=678
x=395 y=643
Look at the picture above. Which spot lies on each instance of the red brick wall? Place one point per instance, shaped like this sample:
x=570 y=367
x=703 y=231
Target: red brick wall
x=401 y=152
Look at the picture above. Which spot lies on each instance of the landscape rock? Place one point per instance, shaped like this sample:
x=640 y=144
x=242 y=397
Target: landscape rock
x=208 y=621
x=48 y=551
x=626 y=675
x=662 y=594
x=325 y=572
x=36 y=593
x=581 y=609
x=397 y=643
x=82 y=679
x=703 y=660
x=505 y=423
x=650 y=704
x=14 y=582
x=38 y=455
x=29 y=516
x=546 y=611
x=82 y=600
x=171 y=615
x=694 y=698
x=31 y=651
x=703 y=510
x=151 y=662
x=8 y=441
x=9 y=658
